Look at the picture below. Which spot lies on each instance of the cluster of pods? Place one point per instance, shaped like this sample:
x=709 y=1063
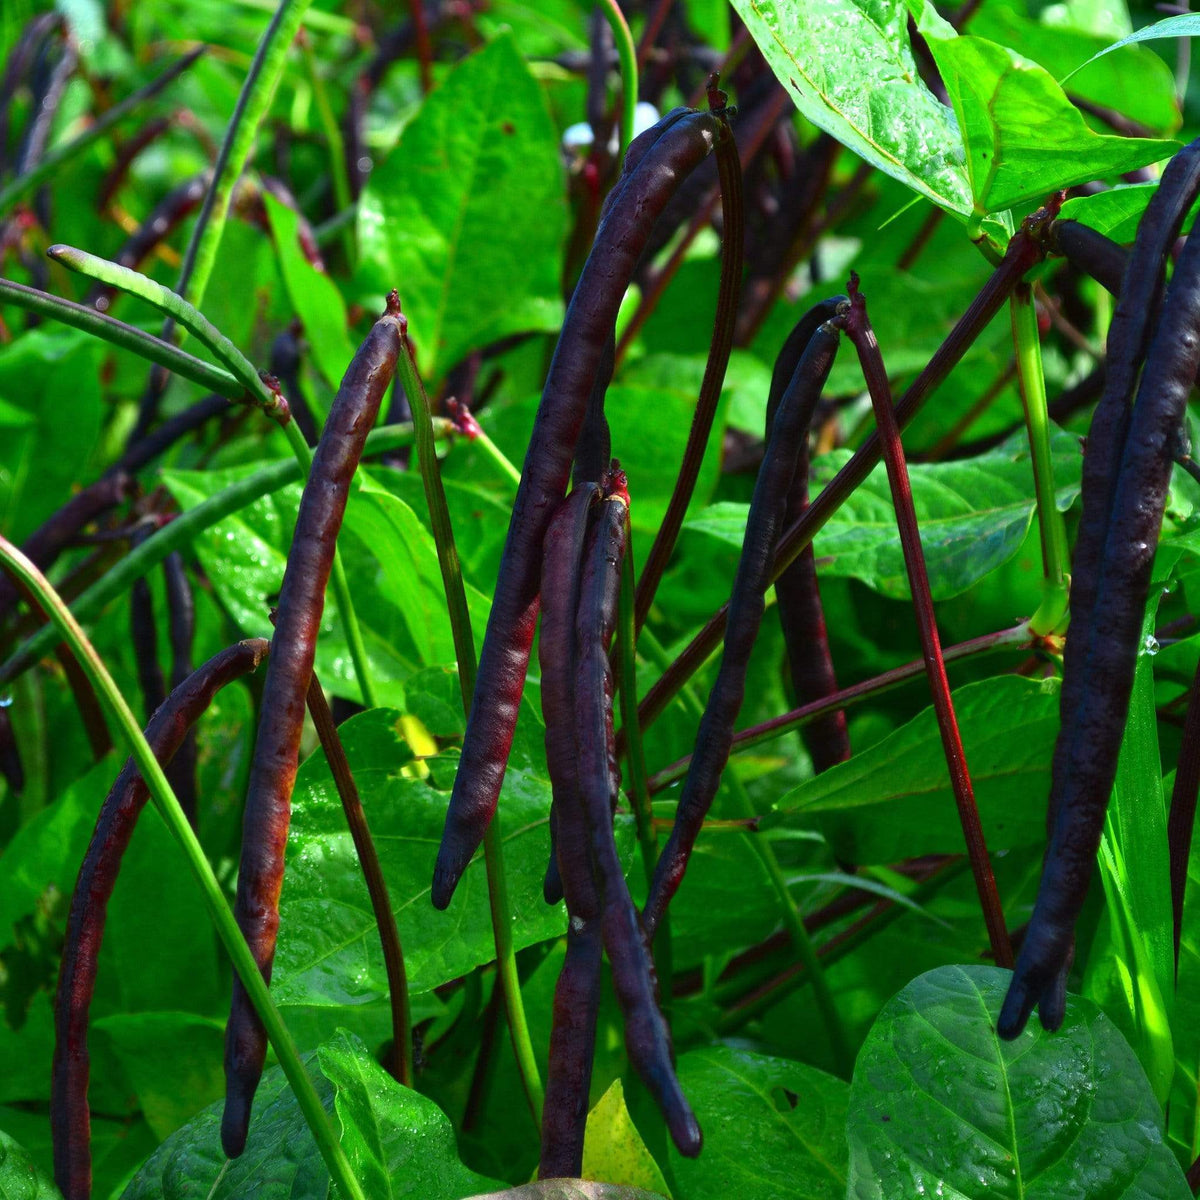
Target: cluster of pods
x=564 y=558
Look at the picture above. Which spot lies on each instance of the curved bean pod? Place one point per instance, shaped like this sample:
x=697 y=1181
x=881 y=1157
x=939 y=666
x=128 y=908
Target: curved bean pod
x=1104 y=677
x=277 y=747
x=647 y=1037
x=656 y=162
x=562 y=554
x=796 y=591
x=746 y=603
x=70 y=1117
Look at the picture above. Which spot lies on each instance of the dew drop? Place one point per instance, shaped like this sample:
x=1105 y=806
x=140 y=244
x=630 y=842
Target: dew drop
x=1150 y=645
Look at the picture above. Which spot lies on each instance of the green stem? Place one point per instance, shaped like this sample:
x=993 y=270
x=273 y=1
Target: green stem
x=343 y=198
x=1055 y=556
x=464 y=649
x=54 y=161
x=498 y=457
x=214 y=899
x=252 y=104
x=183 y=529
x=127 y=337
x=627 y=56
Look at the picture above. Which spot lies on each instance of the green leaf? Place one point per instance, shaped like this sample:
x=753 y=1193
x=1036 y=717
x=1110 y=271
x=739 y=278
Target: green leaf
x=20 y=1178
x=467 y=214
x=314 y=296
x=939 y=1105
x=1183 y=25
x=172 y=1061
x=1023 y=137
x=399 y=1143
x=893 y=800
x=42 y=458
x=849 y=67
x=772 y=1128
x=1182 y=1110
x=391 y=562
x=1135 y=81
x=1116 y=212
x=973 y=514
x=328 y=943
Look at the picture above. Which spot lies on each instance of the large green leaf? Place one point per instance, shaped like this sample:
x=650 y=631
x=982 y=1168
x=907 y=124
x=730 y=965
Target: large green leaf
x=399 y=1143
x=893 y=800
x=20 y=1178
x=1185 y=25
x=50 y=375
x=941 y=1106
x=849 y=67
x=772 y=1128
x=1023 y=137
x=973 y=516
x=391 y=562
x=467 y=213
x=328 y=943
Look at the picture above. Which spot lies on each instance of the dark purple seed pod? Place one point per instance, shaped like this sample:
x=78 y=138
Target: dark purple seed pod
x=144 y=451
x=764 y=523
x=572 y=1049
x=562 y=554
x=1104 y=666
x=796 y=591
x=1129 y=336
x=277 y=747
x=1090 y=252
x=70 y=1117
x=181 y=630
x=55 y=534
x=647 y=1037
x=655 y=164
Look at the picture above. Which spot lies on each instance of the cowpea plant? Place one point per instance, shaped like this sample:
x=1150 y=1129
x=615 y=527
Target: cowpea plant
x=587 y=866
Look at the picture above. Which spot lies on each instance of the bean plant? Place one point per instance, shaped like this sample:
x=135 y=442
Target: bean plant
x=644 y=560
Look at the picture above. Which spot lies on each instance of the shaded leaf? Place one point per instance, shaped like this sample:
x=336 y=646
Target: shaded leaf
x=20 y=1178
x=893 y=800
x=940 y=1105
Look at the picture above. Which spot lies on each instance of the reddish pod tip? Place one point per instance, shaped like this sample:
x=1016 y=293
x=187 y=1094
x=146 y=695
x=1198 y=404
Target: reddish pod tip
x=617 y=484
x=272 y=382
x=393 y=304
x=463 y=419
x=718 y=101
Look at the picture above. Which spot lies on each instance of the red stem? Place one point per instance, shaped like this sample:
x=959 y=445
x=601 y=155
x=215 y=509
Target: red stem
x=858 y=327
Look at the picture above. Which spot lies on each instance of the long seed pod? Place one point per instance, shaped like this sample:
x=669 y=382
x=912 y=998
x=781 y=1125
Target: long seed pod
x=656 y=162
x=1129 y=336
x=1089 y=251
x=592 y=457
x=144 y=638
x=647 y=1037
x=799 y=598
x=562 y=554
x=47 y=542
x=181 y=630
x=144 y=451
x=577 y=994
x=767 y=506
x=70 y=1117
x=277 y=747
x=1106 y=665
